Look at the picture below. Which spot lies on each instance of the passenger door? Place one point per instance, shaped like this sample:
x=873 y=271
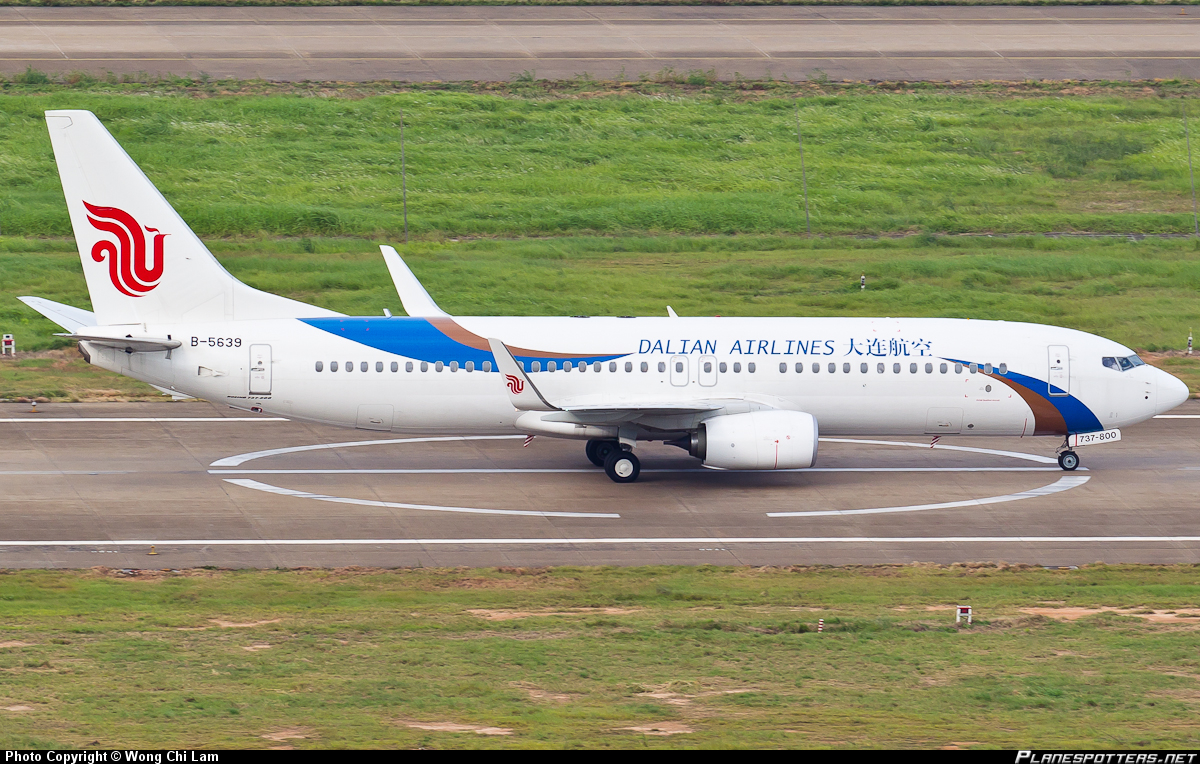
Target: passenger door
x=1059 y=378
x=260 y=369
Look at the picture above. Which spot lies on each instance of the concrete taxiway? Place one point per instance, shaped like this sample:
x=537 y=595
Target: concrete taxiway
x=498 y=43
x=99 y=484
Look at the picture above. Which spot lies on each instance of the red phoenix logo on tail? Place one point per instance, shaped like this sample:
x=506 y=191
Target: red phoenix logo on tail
x=129 y=264
x=515 y=386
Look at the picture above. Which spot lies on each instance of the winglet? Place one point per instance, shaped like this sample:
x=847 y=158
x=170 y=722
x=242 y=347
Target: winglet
x=413 y=297
x=521 y=392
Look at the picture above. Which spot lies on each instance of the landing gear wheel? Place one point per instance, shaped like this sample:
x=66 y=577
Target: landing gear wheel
x=1068 y=460
x=622 y=466
x=598 y=450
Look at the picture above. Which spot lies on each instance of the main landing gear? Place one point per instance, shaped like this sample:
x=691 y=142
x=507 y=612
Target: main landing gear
x=620 y=465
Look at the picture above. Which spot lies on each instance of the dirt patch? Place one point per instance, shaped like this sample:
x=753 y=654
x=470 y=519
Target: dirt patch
x=1075 y=613
x=520 y=635
x=256 y=648
x=510 y=615
x=956 y=746
x=17 y=709
x=670 y=696
x=16 y=643
x=236 y=625
x=660 y=728
x=291 y=733
x=455 y=727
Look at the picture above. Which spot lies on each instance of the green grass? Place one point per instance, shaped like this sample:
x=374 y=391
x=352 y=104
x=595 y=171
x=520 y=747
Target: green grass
x=277 y=3
x=1145 y=294
x=674 y=161
x=348 y=657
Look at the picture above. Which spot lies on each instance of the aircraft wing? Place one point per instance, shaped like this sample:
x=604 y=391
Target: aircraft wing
x=413 y=297
x=66 y=316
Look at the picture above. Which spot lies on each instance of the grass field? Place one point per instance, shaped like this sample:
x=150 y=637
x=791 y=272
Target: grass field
x=278 y=3
x=1145 y=294
x=576 y=657
x=713 y=160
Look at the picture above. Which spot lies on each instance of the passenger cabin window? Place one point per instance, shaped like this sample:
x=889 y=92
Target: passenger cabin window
x=379 y=366
x=862 y=368
x=737 y=368
x=566 y=365
x=408 y=366
x=723 y=367
x=782 y=368
x=552 y=366
x=895 y=368
x=439 y=366
x=395 y=366
x=321 y=366
x=628 y=367
x=928 y=368
x=678 y=366
x=878 y=368
x=958 y=368
x=333 y=365
x=943 y=368
x=582 y=366
x=987 y=368
x=708 y=367
x=470 y=366
x=750 y=367
x=596 y=366
x=487 y=365
x=1003 y=369
x=816 y=368
x=537 y=365
x=349 y=365
x=832 y=368
x=645 y=367
x=799 y=368
x=912 y=368
x=974 y=368
x=612 y=365
x=424 y=365
x=662 y=366
x=363 y=366
x=845 y=368
x=454 y=366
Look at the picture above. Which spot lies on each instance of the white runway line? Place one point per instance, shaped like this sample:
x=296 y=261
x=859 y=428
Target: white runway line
x=47 y=420
x=66 y=472
x=1178 y=416
x=942 y=447
x=1062 y=484
x=233 y=461
x=596 y=470
x=257 y=486
x=166 y=543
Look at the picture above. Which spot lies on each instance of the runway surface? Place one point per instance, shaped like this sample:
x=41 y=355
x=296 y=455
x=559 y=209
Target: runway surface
x=99 y=484
x=499 y=43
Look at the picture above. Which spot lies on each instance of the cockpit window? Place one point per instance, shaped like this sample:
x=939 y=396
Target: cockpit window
x=1122 y=364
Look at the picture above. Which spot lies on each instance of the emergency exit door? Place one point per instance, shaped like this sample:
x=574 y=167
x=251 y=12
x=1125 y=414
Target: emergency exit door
x=260 y=369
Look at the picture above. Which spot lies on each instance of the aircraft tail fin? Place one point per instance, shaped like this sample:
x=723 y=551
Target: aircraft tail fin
x=143 y=264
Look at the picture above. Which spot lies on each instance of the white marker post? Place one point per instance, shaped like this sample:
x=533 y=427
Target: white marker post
x=9 y=346
x=963 y=611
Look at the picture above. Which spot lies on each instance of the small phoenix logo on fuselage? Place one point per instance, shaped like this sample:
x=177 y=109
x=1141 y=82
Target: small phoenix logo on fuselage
x=129 y=265
x=515 y=385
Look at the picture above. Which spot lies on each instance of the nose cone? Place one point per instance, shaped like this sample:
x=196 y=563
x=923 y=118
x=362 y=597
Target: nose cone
x=1171 y=392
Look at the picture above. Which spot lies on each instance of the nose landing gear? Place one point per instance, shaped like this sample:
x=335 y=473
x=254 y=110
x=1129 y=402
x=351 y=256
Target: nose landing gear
x=1068 y=460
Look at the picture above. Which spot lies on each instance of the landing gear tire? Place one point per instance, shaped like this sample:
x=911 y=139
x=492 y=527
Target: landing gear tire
x=598 y=450
x=1068 y=460
x=622 y=466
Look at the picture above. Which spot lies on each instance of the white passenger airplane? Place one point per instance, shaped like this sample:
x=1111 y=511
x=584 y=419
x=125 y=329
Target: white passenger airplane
x=737 y=393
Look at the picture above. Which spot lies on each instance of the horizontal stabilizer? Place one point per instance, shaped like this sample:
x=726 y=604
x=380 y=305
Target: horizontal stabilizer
x=521 y=392
x=128 y=344
x=416 y=301
x=66 y=316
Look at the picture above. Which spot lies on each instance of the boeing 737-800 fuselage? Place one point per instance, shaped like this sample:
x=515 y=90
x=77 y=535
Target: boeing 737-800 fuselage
x=748 y=393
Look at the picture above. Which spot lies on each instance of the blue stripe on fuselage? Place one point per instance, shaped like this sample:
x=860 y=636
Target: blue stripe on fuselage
x=418 y=339
x=1077 y=416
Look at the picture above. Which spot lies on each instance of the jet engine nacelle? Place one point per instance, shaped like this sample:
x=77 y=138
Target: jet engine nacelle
x=759 y=440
